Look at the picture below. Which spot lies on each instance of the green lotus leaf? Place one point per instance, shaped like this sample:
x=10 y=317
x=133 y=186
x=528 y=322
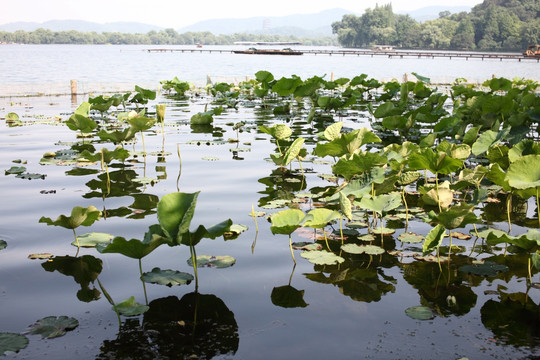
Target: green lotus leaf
x=286 y=86
x=288 y=297
x=134 y=248
x=382 y=231
x=320 y=217
x=455 y=216
x=381 y=203
x=278 y=131
x=286 y=221
x=264 y=76
x=333 y=131
x=293 y=151
x=461 y=151
x=3 y=244
x=203 y=118
x=523 y=148
x=387 y=109
x=219 y=262
x=93 y=239
x=51 y=326
x=79 y=216
x=15 y=170
x=175 y=212
x=535 y=259
x=419 y=313
x=438 y=163
x=357 y=224
x=130 y=307
x=411 y=238
x=82 y=123
x=12 y=117
x=31 y=176
x=488 y=139
x=221 y=229
x=322 y=257
x=362 y=249
x=524 y=173
x=306 y=246
x=358 y=164
x=345 y=206
x=443 y=197
x=428 y=140
x=347 y=143
x=470 y=136
x=141 y=123
x=483 y=268
x=433 y=239
x=167 y=277
x=408 y=177
x=40 y=256
x=530 y=241
x=10 y=342
x=117 y=137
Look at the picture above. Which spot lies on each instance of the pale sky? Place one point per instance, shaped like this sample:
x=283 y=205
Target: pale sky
x=179 y=13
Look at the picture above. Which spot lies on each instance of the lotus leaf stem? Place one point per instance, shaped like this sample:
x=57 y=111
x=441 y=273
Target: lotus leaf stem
x=194 y=261
x=406 y=209
x=326 y=240
x=538 y=203
x=508 y=208
x=143 y=284
x=290 y=247
x=76 y=239
x=110 y=300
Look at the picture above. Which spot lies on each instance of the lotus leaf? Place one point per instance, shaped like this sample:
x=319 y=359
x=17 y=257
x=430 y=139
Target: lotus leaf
x=362 y=249
x=3 y=244
x=530 y=241
x=15 y=170
x=433 y=239
x=286 y=86
x=357 y=224
x=359 y=164
x=347 y=143
x=278 y=131
x=381 y=203
x=40 y=256
x=319 y=218
x=322 y=257
x=133 y=248
x=345 y=206
x=410 y=238
x=221 y=229
x=535 y=258
x=455 y=217
x=488 y=139
x=51 y=326
x=219 y=262
x=524 y=173
x=483 y=268
x=293 y=151
x=175 y=212
x=92 y=239
x=419 y=313
x=264 y=76
x=367 y=237
x=286 y=221
x=383 y=231
x=306 y=246
x=10 y=342
x=333 y=131
x=130 y=307
x=288 y=297
x=167 y=277
x=141 y=123
x=437 y=162
x=79 y=216
x=443 y=197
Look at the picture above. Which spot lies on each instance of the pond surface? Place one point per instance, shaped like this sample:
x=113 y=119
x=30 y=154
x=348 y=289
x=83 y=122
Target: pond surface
x=263 y=307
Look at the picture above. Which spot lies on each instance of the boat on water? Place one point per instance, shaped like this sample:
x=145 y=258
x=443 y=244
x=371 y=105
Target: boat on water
x=253 y=51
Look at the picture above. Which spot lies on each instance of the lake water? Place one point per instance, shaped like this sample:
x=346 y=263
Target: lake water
x=49 y=68
x=352 y=311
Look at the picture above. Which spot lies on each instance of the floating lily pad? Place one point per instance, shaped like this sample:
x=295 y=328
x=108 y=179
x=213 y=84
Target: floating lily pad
x=41 y=256
x=419 y=313
x=12 y=342
x=362 y=249
x=90 y=240
x=461 y=236
x=15 y=170
x=384 y=231
x=275 y=204
x=431 y=258
x=411 y=238
x=210 y=158
x=357 y=224
x=257 y=213
x=31 y=176
x=219 y=262
x=145 y=180
x=130 y=307
x=306 y=246
x=167 y=277
x=322 y=257
x=367 y=237
x=51 y=326
x=3 y=244
x=483 y=268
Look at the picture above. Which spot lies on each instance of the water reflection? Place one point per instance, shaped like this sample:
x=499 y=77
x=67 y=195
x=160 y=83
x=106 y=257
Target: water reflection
x=197 y=326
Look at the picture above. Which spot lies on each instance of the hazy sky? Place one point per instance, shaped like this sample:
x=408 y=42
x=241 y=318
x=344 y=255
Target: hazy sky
x=179 y=13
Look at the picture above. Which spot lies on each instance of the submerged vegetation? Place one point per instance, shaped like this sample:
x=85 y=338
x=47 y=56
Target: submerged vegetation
x=437 y=166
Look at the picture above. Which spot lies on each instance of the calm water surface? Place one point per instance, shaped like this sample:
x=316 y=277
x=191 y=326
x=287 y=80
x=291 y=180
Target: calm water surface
x=360 y=316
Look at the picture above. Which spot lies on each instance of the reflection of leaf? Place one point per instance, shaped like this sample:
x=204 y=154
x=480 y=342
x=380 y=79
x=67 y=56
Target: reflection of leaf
x=12 y=342
x=322 y=257
x=213 y=261
x=51 y=326
x=167 y=277
x=419 y=313
x=130 y=307
x=288 y=297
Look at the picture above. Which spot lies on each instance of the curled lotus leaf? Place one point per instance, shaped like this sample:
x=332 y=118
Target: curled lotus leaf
x=130 y=307
x=167 y=277
x=51 y=326
x=11 y=342
x=322 y=257
x=79 y=216
x=134 y=248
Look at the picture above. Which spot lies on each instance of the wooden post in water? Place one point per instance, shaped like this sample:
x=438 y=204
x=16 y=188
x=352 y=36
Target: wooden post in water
x=73 y=92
